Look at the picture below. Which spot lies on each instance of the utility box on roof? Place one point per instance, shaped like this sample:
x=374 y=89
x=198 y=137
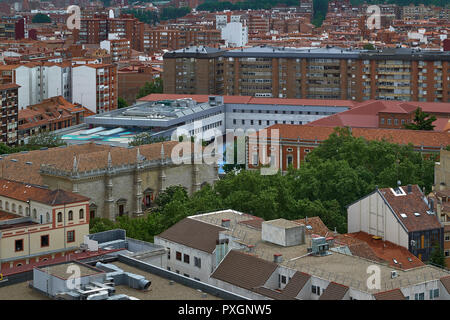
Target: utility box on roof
x=283 y=232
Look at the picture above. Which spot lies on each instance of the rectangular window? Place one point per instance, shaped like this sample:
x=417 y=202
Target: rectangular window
x=71 y=236
x=436 y=293
x=186 y=258
x=198 y=262
x=314 y=289
x=19 y=245
x=283 y=279
x=45 y=241
x=178 y=256
x=168 y=253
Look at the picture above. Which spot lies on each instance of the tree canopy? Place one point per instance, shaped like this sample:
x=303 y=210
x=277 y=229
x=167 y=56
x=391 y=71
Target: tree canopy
x=41 y=18
x=156 y=86
x=422 y=121
x=121 y=103
x=340 y=171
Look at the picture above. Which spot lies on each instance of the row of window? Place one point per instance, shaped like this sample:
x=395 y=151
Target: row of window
x=283 y=112
x=45 y=241
x=267 y=122
x=70 y=215
x=185 y=258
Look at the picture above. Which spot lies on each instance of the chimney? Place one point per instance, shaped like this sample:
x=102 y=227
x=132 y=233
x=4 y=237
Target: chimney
x=409 y=189
x=225 y=223
x=277 y=258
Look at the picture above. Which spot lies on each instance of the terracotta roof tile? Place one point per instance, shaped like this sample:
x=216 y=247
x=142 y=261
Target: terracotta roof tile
x=244 y=270
x=395 y=294
x=22 y=191
x=193 y=233
x=334 y=291
x=410 y=204
x=446 y=283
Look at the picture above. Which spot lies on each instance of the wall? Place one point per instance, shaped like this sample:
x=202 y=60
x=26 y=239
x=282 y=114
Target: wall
x=84 y=87
x=207 y=260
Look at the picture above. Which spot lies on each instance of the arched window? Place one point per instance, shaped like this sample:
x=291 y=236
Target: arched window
x=20 y=210
x=34 y=213
x=13 y=207
x=59 y=216
x=81 y=214
x=7 y=206
x=27 y=211
x=70 y=215
x=47 y=217
x=1 y=204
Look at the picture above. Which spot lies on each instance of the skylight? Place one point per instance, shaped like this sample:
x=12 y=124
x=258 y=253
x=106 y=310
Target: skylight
x=395 y=261
x=416 y=214
x=398 y=191
x=309 y=227
x=403 y=215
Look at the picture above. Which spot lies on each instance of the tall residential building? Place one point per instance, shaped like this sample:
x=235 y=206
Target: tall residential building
x=320 y=73
x=95 y=86
x=94 y=30
x=40 y=81
x=9 y=112
x=12 y=27
x=119 y=49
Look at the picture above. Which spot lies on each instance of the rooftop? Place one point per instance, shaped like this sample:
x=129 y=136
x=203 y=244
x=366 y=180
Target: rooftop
x=343 y=268
x=24 y=192
x=61 y=270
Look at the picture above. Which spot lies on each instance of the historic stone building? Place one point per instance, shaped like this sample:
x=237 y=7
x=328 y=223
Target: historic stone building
x=119 y=181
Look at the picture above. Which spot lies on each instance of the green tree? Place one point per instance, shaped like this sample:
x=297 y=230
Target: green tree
x=437 y=256
x=146 y=138
x=121 y=103
x=156 y=86
x=41 y=18
x=422 y=121
x=45 y=139
x=369 y=46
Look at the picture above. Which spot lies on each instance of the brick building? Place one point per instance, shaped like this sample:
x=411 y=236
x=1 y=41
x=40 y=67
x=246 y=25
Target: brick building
x=9 y=112
x=95 y=86
x=321 y=73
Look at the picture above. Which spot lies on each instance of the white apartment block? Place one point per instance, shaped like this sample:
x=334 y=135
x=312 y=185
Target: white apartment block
x=42 y=81
x=95 y=86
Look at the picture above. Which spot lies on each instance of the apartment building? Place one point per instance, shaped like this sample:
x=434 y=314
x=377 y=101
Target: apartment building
x=38 y=224
x=119 y=49
x=401 y=215
x=95 y=86
x=9 y=94
x=42 y=80
x=96 y=29
x=51 y=114
x=319 y=73
x=12 y=27
x=177 y=37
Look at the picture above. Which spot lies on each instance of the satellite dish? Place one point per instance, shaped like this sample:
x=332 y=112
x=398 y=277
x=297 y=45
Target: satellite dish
x=399 y=183
x=111 y=14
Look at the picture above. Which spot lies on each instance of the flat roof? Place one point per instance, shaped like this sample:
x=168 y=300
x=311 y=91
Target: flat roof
x=282 y=223
x=160 y=289
x=60 y=270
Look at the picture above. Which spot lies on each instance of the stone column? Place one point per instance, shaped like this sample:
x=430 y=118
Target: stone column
x=109 y=198
x=138 y=184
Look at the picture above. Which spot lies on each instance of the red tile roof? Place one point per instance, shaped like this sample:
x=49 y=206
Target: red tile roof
x=389 y=251
x=365 y=115
x=193 y=233
x=395 y=294
x=410 y=204
x=334 y=291
x=24 y=192
x=201 y=98
x=399 y=136
x=244 y=270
